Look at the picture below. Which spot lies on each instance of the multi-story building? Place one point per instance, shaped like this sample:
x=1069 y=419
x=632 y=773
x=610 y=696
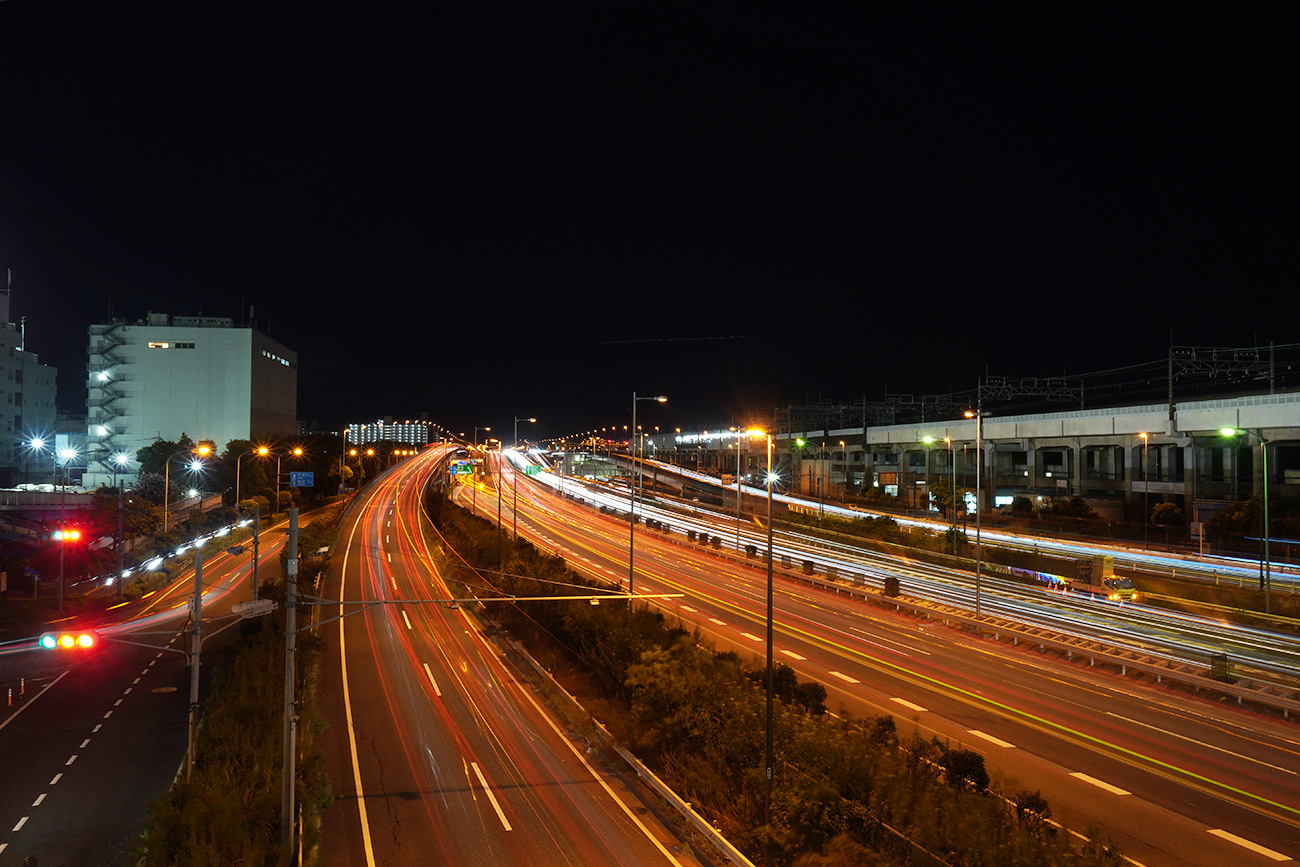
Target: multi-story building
x=167 y=376
x=27 y=411
x=412 y=433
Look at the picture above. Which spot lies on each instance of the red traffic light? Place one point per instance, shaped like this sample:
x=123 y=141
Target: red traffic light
x=79 y=640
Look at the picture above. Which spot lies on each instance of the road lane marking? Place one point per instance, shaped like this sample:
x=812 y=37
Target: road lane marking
x=72 y=759
x=690 y=609
x=407 y=619
x=844 y=677
x=717 y=621
x=1254 y=847
x=19 y=826
x=1202 y=744
x=38 y=800
x=793 y=655
x=366 y=845
x=84 y=744
x=491 y=797
x=751 y=636
x=429 y=672
x=56 y=779
x=907 y=704
x=1114 y=790
x=991 y=739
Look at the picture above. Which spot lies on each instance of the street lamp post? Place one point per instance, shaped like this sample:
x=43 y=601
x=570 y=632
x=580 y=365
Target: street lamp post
x=1146 y=487
x=739 y=493
x=770 y=759
x=514 y=483
x=631 y=496
x=952 y=463
x=474 y=476
x=297 y=453
x=261 y=451
x=978 y=415
x=197 y=463
x=1265 y=566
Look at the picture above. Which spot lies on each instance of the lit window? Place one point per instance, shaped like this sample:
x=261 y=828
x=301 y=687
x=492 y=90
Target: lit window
x=159 y=344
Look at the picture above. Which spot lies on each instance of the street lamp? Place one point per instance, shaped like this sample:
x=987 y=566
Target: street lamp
x=952 y=463
x=844 y=452
x=767 y=783
x=199 y=452
x=514 y=484
x=297 y=453
x=1146 y=486
x=631 y=496
x=978 y=415
x=1265 y=567
x=260 y=451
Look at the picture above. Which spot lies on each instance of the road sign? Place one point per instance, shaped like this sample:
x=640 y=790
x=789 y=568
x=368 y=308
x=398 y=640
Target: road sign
x=302 y=480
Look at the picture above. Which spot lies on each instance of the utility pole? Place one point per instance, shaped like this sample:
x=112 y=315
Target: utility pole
x=290 y=706
x=196 y=647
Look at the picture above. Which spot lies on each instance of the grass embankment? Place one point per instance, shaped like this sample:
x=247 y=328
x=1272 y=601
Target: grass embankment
x=845 y=792
x=229 y=813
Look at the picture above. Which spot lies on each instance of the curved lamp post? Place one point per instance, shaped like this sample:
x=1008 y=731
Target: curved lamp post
x=514 y=483
x=767 y=782
x=200 y=452
x=631 y=496
x=260 y=451
x=1265 y=566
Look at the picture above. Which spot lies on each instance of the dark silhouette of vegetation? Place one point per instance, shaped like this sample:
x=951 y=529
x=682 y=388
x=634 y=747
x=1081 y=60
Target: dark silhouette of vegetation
x=229 y=813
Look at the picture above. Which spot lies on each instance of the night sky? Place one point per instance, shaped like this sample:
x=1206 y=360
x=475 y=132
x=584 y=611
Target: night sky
x=541 y=209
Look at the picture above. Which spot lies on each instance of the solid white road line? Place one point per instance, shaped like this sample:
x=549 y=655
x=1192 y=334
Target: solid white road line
x=1114 y=790
x=1254 y=847
x=429 y=672
x=997 y=742
x=491 y=797
x=352 y=732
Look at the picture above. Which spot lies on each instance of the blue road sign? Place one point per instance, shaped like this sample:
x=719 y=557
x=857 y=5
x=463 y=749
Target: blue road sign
x=302 y=480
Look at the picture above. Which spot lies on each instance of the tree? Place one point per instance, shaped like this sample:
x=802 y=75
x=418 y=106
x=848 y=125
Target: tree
x=941 y=493
x=1168 y=515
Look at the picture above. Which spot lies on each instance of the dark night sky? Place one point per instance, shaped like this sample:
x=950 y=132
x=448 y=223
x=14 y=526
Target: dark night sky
x=525 y=211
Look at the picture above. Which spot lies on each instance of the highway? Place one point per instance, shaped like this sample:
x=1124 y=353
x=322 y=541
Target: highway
x=99 y=735
x=438 y=753
x=1174 y=779
x=1184 y=637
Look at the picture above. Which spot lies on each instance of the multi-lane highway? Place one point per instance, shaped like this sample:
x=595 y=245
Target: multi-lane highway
x=439 y=753
x=1175 y=779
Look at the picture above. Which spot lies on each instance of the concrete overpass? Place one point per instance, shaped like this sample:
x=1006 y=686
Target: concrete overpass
x=1098 y=454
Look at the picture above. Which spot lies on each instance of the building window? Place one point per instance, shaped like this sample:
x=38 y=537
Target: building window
x=159 y=344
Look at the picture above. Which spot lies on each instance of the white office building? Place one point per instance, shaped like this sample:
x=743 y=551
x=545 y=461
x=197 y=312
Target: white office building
x=27 y=411
x=167 y=376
